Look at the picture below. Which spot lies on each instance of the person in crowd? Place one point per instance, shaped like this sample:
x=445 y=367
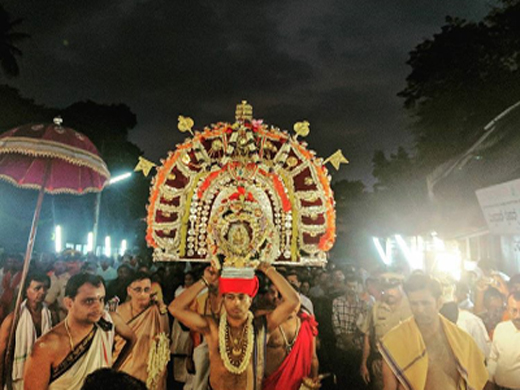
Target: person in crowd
x=209 y=302
x=89 y=267
x=63 y=357
x=469 y=322
x=463 y=296
x=117 y=288
x=504 y=359
x=293 y=278
x=337 y=287
x=305 y=287
x=321 y=286
x=291 y=349
x=514 y=283
x=11 y=277
x=427 y=351
x=106 y=269
x=347 y=312
x=34 y=321
x=236 y=343
x=372 y=291
x=110 y=379
x=148 y=359
x=72 y=264
x=189 y=279
x=494 y=309
x=384 y=315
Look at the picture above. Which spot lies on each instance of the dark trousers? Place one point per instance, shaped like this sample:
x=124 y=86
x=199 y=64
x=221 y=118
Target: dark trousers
x=347 y=369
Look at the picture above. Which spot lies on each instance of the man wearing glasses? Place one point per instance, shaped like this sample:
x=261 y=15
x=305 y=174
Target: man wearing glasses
x=151 y=353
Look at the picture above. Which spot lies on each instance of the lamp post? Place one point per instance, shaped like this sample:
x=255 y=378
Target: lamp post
x=113 y=180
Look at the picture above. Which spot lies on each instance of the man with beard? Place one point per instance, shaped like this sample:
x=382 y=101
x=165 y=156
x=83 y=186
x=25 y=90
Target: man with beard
x=385 y=314
x=291 y=350
x=34 y=321
x=150 y=324
x=428 y=351
x=63 y=357
x=503 y=366
x=236 y=343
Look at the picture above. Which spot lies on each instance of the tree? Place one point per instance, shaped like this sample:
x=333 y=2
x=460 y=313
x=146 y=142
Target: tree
x=461 y=79
x=8 y=39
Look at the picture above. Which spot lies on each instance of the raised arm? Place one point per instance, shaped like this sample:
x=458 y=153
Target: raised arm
x=290 y=298
x=123 y=330
x=179 y=307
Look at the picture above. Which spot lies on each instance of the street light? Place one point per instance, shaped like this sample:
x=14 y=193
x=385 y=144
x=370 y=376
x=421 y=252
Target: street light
x=113 y=180
x=57 y=239
x=108 y=250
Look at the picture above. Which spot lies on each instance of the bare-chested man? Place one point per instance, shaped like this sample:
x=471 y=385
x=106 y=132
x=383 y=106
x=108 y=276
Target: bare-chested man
x=291 y=349
x=34 y=320
x=150 y=324
x=231 y=340
x=62 y=358
x=427 y=351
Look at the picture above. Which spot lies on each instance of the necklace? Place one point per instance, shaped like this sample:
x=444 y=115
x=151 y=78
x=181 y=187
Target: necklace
x=236 y=353
x=289 y=346
x=71 y=341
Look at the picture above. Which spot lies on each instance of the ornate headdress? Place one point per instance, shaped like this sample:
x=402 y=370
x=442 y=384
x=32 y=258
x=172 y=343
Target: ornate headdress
x=237 y=194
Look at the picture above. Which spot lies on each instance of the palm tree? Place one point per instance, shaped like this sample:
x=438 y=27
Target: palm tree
x=8 y=39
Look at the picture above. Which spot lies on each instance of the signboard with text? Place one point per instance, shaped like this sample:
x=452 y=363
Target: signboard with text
x=500 y=205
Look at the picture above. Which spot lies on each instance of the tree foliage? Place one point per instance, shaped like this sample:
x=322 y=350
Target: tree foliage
x=461 y=79
x=9 y=38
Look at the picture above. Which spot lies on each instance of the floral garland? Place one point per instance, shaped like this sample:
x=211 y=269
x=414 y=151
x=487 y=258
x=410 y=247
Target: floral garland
x=158 y=358
x=223 y=329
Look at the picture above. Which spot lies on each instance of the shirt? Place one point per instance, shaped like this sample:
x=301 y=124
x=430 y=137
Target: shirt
x=307 y=304
x=504 y=359
x=477 y=330
x=108 y=275
x=345 y=317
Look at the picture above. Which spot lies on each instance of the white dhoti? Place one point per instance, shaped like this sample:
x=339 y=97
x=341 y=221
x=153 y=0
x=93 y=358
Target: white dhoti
x=25 y=337
x=92 y=353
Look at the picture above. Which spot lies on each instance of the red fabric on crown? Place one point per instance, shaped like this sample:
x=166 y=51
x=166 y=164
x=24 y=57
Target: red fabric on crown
x=235 y=285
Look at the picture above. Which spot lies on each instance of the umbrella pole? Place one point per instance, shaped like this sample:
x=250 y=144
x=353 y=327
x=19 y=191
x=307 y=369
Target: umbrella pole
x=7 y=374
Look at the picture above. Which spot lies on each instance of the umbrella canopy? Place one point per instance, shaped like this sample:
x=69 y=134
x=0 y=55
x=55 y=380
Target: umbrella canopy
x=72 y=161
x=53 y=159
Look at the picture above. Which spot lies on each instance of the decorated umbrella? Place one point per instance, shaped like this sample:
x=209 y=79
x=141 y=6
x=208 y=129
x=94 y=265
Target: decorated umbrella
x=48 y=158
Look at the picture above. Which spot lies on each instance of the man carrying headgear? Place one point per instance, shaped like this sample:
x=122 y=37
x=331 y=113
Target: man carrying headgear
x=236 y=341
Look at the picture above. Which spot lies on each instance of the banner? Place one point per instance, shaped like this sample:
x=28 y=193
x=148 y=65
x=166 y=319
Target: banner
x=501 y=207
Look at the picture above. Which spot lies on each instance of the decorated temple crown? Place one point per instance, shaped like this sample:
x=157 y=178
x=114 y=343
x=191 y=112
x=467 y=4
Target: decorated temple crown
x=241 y=193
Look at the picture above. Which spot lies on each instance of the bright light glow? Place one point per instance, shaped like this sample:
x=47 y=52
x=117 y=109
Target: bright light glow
x=90 y=242
x=120 y=177
x=108 y=250
x=438 y=244
x=449 y=263
x=470 y=265
x=413 y=256
x=58 y=239
x=122 y=250
x=380 y=250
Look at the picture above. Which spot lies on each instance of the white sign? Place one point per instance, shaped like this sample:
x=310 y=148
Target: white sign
x=501 y=207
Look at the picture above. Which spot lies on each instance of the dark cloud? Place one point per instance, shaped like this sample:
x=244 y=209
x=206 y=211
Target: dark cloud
x=337 y=63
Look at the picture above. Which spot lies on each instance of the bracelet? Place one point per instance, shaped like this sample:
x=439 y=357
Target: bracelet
x=203 y=280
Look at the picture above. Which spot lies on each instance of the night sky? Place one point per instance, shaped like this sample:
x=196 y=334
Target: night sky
x=336 y=63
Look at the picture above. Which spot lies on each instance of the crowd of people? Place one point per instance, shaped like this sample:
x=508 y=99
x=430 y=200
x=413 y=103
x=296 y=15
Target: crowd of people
x=165 y=325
